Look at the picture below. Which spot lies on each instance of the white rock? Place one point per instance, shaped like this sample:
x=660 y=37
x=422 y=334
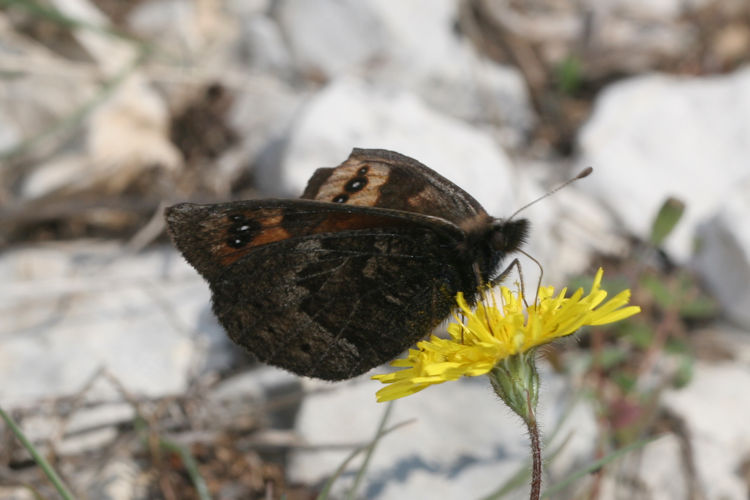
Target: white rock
x=385 y=41
x=463 y=444
x=128 y=134
x=112 y=54
x=61 y=172
x=246 y=8
x=723 y=254
x=714 y=408
x=247 y=392
x=16 y=493
x=117 y=479
x=261 y=113
x=262 y=46
x=655 y=471
x=68 y=310
x=350 y=113
x=178 y=27
x=656 y=136
x=665 y=10
x=661 y=468
x=447 y=72
x=329 y=36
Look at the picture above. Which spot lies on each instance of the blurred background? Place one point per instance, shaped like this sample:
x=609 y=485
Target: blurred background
x=113 y=364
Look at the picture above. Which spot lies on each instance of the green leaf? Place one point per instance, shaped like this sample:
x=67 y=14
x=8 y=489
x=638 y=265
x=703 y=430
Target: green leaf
x=676 y=345
x=701 y=307
x=669 y=215
x=640 y=334
x=662 y=295
x=625 y=381
x=611 y=357
x=684 y=373
x=569 y=75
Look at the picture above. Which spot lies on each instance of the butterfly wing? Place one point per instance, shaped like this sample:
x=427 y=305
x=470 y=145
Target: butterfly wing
x=319 y=289
x=380 y=178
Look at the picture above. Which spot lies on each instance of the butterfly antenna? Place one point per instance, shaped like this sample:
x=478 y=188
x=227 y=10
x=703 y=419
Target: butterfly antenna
x=583 y=173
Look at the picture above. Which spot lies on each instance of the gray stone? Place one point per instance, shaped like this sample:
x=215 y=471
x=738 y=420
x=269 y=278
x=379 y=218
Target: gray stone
x=463 y=443
x=723 y=254
x=68 y=310
x=447 y=73
x=329 y=37
x=656 y=136
x=654 y=471
x=714 y=408
x=263 y=47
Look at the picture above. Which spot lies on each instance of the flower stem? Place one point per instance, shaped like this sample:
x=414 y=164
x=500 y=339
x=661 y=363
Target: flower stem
x=536 y=455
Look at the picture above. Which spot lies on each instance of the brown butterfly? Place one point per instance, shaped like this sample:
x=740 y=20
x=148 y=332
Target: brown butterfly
x=368 y=262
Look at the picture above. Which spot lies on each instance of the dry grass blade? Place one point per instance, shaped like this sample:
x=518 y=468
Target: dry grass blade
x=49 y=471
x=367 y=448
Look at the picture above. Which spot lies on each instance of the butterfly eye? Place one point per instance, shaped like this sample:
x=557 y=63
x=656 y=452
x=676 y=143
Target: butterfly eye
x=498 y=241
x=341 y=198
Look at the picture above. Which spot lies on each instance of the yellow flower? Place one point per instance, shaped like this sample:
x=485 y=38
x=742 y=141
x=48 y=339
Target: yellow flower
x=491 y=334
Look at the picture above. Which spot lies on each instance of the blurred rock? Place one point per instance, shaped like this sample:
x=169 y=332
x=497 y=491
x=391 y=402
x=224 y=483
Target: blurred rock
x=262 y=113
x=329 y=37
x=732 y=44
x=723 y=253
x=117 y=479
x=67 y=311
x=112 y=54
x=270 y=394
x=426 y=56
x=714 y=409
x=665 y=10
x=656 y=136
x=128 y=135
x=463 y=444
x=247 y=8
x=262 y=46
x=16 y=493
x=655 y=471
x=660 y=467
x=387 y=43
x=181 y=29
x=45 y=89
x=63 y=172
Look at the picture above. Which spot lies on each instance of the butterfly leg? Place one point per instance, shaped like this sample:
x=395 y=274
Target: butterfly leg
x=504 y=274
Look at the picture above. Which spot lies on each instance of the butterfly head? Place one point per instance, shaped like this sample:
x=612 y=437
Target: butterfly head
x=507 y=235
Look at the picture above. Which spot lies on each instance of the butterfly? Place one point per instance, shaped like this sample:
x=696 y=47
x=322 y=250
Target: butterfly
x=367 y=262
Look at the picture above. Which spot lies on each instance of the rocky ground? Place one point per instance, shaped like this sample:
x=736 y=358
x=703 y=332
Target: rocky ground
x=114 y=366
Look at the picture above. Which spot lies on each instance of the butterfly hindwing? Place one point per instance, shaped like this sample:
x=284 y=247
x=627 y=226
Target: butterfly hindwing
x=317 y=288
x=379 y=178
